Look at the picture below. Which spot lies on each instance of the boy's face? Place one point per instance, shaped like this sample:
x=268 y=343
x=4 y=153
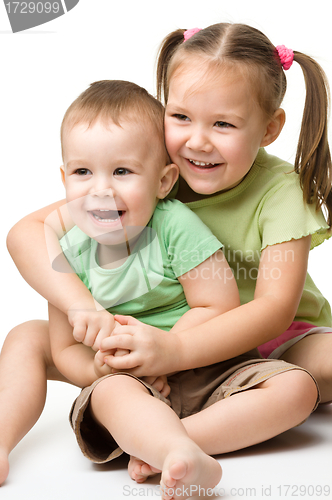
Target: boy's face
x=112 y=176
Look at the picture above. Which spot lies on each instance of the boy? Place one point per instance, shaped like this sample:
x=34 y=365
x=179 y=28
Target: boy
x=126 y=248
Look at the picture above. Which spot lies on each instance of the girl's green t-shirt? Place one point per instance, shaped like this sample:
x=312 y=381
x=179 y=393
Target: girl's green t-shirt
x=266 y=208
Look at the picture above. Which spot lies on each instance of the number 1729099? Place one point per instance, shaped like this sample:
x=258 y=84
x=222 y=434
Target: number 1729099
x=33 y=7
x=297 y=490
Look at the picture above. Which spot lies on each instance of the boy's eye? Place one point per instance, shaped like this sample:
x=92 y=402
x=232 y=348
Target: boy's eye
x=223 y=124
x=82 y=171
x=121 y=171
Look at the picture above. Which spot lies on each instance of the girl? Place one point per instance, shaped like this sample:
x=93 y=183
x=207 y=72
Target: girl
x=223 y=87
x=217 y=119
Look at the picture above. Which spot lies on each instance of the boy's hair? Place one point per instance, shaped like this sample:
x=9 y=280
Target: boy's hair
x=116 y=100
x=241 y=46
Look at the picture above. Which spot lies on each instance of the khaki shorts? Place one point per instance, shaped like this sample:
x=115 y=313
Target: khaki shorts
x=191 y=392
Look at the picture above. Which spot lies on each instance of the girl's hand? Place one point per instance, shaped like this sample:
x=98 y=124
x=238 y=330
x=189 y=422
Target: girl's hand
x=152 y=351
x=90 y=326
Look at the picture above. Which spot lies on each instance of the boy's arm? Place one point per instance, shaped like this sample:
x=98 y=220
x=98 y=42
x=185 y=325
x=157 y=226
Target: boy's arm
x=74 y=360
x=210 y=290
x=38 y=234
x=32 y=254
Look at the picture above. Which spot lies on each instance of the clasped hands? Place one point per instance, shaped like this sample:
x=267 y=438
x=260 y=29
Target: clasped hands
x=122 y=343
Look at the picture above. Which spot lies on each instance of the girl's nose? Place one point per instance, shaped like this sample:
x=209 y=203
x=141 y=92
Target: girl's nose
x=199 y=141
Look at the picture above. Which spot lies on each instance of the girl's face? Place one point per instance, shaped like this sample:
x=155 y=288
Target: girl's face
x=213 y=130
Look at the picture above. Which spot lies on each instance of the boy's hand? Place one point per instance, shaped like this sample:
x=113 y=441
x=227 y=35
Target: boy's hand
x=90 y=326
x=159 y=383
x=152 y=351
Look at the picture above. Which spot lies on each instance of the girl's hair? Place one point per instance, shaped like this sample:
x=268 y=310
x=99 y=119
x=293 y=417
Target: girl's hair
x=230 y=44
x=115 y=100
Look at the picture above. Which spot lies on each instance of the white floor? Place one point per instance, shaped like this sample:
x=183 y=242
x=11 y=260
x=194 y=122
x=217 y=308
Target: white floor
x=47 y=464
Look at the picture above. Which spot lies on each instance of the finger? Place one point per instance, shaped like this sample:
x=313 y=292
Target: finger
x=126 y=320
x=90 y=336
x=103 y=334
x=126 y=362
x=79 y=332
x=99 y=358
x=165 y=390
x=117 y=342
x=149 y=380
x=121 y=352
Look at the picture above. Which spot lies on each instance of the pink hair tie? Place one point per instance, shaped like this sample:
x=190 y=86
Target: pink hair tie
x=189 y=33
x=286 y=56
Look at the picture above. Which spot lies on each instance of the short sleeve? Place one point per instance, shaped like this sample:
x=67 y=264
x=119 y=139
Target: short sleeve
x=189 y=242
x=284 y=216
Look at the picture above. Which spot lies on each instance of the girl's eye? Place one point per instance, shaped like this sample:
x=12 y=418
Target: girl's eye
x=223 y=125
x=181 y=117
x=121 y=171
x=83 y=171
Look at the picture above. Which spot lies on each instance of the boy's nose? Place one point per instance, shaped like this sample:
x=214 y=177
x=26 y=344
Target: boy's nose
x=199 y=141
x=103 y=193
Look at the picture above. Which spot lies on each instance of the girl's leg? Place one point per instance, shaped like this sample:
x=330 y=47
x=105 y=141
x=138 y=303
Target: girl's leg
x=146 y=427
x=314 y=353
x=25 y=364
x=248 y=417
x=255 y=415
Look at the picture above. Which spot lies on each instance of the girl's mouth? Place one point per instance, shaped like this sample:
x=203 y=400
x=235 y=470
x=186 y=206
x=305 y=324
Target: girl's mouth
x=203 y=164
x=106 y=216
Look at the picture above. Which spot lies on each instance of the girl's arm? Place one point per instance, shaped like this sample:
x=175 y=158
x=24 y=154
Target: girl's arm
x=32 y=255
x=279 y=287
x=281 y=276
x=210 y=290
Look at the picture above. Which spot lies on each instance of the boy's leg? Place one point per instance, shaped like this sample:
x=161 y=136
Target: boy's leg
x=314 y=353
x=25 y=364
x=146 y=427
x=248 y=417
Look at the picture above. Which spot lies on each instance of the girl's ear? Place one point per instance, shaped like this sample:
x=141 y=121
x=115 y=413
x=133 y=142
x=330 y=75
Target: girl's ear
x=168 y=178
x=274 y=127
x=63 y=176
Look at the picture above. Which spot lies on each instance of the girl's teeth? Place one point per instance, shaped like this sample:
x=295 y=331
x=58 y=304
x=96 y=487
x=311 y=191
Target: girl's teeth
x=201 y=163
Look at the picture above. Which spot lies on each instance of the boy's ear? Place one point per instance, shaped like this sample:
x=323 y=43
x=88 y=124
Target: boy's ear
x=274 y=127
x=168 y=178
x=63 y=175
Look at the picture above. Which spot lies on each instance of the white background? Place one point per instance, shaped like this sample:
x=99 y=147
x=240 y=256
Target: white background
x=42 y=72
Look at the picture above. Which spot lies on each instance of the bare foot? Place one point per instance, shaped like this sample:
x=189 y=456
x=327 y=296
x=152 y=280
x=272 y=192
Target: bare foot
x=189 y=472
x=140 y=471
x=4 y=466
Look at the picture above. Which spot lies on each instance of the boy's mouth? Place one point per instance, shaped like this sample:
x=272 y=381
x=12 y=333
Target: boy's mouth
x=107 y=215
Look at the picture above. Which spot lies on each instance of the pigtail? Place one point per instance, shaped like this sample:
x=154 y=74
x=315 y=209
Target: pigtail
x=313 y=159
x=167 y=49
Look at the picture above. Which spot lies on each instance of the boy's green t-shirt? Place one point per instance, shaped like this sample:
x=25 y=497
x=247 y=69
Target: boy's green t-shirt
x=146 y=285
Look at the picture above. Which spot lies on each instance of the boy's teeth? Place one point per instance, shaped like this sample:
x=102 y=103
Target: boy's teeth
x=106 y=215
